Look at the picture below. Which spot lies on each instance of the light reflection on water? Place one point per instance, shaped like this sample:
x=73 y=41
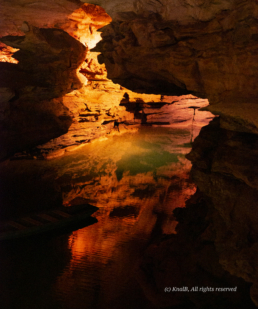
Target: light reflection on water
x=136 y=180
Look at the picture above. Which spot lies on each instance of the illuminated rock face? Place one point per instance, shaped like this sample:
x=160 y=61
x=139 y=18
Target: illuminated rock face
x=43 y=14
x=6 y=53
x=179 y=47
x=208 y=49
x=170 y=47
x=33 y=111
x=80 y=21
x=48 y=58
x=44 y=68
x=97 y=106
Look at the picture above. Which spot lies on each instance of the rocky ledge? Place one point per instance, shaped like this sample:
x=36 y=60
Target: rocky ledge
x=42 y=50
x=96 y=107
x=32 y=109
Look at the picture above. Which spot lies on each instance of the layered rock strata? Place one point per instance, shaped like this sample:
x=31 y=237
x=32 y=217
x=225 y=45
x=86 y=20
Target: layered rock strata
x=32 y=110
x=207 y=49
x=204 y=48
x=97 y=106
x=48 y=61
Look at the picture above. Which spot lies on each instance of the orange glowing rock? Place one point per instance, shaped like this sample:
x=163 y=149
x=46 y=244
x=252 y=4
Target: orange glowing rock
x=6 y=53
x=84 y=23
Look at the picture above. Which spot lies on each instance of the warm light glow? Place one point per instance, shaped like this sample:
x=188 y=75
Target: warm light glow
x=132 y=206
x=85 y=22
x=6 y=53
x=130 y=210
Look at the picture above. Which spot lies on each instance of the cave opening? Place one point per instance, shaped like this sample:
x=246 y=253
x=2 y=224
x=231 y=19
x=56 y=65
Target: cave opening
x=113 y=124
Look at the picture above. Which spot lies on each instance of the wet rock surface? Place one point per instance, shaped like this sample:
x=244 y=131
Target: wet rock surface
x=102 y=168
x=206 y=49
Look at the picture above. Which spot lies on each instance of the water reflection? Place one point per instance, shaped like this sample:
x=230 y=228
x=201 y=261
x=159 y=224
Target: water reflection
x=136 y=180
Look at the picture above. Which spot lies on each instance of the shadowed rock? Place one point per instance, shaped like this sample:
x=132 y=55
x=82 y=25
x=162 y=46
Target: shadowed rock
x=47 y=69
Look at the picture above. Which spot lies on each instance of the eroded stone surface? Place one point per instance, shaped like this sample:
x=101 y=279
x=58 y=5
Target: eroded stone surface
x=6 y=53
x=217 y=235
x=199 y=57
x=97 y=106
x=48 y=64
x=43 y=14
x=208 y=49
x=224 y=169
x=237 y=117
x=179 y=47
x=31 y=109
x=185 y=11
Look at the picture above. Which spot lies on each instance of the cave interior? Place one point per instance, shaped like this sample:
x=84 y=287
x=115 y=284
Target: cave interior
x=78 y=80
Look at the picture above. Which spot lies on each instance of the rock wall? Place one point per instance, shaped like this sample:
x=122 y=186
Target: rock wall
x=41 y=56
x=217 y=238
x=208 y=49
x=225 y=170
x=31 y=104
x=179 y=47
x=205 y=48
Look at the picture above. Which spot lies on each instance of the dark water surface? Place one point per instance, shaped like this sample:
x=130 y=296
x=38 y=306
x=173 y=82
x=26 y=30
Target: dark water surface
x=136 y=180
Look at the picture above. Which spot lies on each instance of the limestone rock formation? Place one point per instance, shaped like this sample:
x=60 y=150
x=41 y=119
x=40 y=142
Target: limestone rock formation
x=48 y=64
x=183 y=11
x=41 y=14
x=205 y=48
x=97 y=106
x=225 y=170
x=31 y=108
x=236 y=117
x=47 y=58
x=6 y=53
x=217 y=236
x=181 y=47
x=174 y=47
